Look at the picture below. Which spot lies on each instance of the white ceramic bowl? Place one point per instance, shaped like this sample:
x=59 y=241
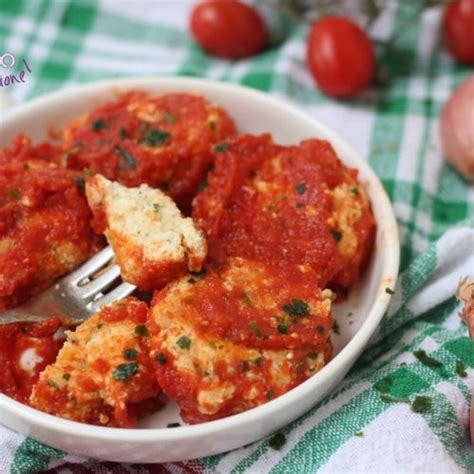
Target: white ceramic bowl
x=253 y=112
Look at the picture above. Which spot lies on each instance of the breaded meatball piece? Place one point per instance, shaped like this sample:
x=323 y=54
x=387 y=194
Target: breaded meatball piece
x=164 y=141
x=44 y=221
x=282 y=205
x=152 y=242
x=237 y=336
x=103 y=374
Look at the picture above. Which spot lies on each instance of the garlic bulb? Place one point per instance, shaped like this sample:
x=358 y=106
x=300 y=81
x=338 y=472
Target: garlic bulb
x=457 y=128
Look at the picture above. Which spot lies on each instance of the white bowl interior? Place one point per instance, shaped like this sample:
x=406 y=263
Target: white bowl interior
x=357 y=317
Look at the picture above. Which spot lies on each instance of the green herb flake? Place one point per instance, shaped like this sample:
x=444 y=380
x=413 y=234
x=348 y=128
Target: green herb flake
x=283 y=326
x=161 y=358
x=384 y=385
x=258 y=361
x=300 y=188
x=460 y=369
x=355 y=191
x=255 y=329
x=425 y=359
x=337 y=235
x=184 y=342
x=386 y=398
x=52 y=383
x=277 y=441
x=14 y=194
x=155 y=137
x=389 y=291
x=421 y=404
x=156 y=207
x=66 y=376
x=173 y=425
x=320 y=329
x=169 y=117
x=141 y=330
x=126 y=157
x=80 y=182
x=125 y=371
x=123 y=133
x=221 y=147
x=202 y=185
x=98 y=125
x=192 y=280
x=360 y=434
x=335 y=328
x=296 y=308
x=130 y=354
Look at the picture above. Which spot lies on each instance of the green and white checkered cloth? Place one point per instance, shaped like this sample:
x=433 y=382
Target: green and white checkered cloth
x=395 y=128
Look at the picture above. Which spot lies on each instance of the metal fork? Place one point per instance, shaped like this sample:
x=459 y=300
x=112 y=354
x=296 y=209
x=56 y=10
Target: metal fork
x=76 y=296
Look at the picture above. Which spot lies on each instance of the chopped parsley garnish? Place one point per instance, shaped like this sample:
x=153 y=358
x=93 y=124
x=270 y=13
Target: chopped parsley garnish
x=258 y=361
x=277 y=441
x=98 y=125
x=66 y=376
x=384 y=385
x=221 y=147
x=425 y=359
x=269 y=394
x=389 y=291
x=296 y=308
x=156 y=207
x=125 y=371
x=173 y=425
x=283 y=326
x=320 y=329
x=191 y=280
x=335 y=328
x=126 y=157
x=169 y=117
x=421 y=404
x=155 y=136
x=130 y=354
x=202 y=185
x=255 y=329
x=460 y=369
x=300 y=188
x=359 y=434
x=385 y=397
x=337 y=235
x=161 y=358
x=14 y=194
x=80 y=182
x=52 y=383
x=184 y=342
x=141 y=330
x=355 y=190
x=123 y=133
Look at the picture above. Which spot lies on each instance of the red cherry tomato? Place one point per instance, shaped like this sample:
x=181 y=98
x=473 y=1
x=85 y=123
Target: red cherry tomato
x=340 y=56
x=228 y=28
x=458 y=30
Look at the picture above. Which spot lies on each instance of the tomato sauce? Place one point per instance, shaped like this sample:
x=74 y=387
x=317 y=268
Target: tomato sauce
x=163 y=141
x=25 y=350
x=270 y=203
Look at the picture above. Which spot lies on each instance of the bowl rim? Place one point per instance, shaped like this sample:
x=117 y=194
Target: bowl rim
x=341 y=361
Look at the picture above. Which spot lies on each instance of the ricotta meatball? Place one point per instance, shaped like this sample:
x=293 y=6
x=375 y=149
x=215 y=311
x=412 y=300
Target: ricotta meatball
x=44 y=221
x=103 y=374
x=292 y=205
x=236 y=336
x=152 y=242
x=164 y=141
